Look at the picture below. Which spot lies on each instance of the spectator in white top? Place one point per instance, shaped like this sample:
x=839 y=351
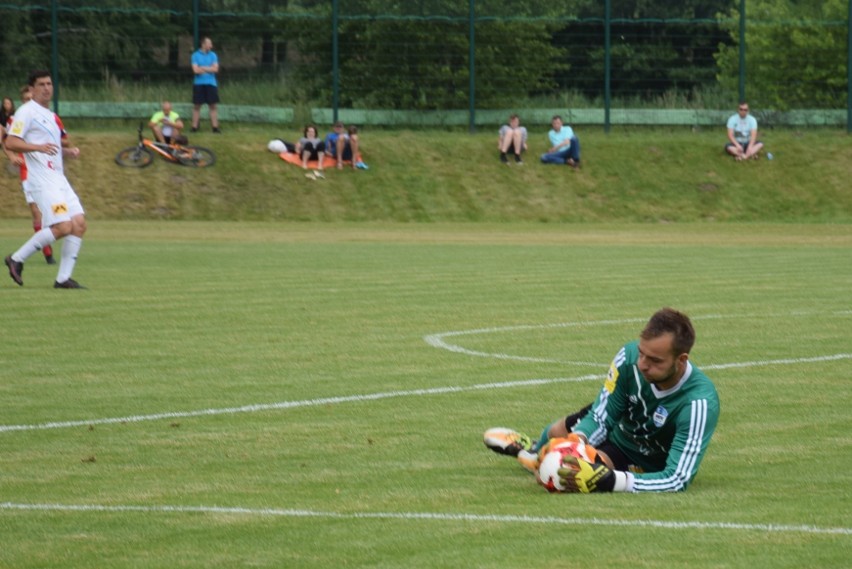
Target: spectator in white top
x=513 y=138
x=742 y=135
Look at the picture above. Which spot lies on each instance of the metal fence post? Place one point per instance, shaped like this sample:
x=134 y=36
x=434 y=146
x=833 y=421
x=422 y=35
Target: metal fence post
x=472 y=66
x=607 y=63
x=335 y=65
x=196 y=8
x=54 y=56
x=742 y=49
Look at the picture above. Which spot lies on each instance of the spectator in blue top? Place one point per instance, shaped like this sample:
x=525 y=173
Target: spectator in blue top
x=205 y=89
x=564 y=145
x=343 y=145
x=742 y=135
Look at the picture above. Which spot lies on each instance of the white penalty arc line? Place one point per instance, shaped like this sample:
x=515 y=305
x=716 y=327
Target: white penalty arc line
x=376 y=396
x=417 y=516
x=439 y=340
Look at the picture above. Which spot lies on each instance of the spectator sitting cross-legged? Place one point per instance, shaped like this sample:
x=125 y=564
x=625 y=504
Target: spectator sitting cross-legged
x=742 y=135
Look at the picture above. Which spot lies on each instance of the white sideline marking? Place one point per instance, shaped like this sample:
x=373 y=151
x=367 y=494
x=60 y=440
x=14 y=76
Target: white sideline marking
x=449 y=517
x=377 y=396
x=293 y=404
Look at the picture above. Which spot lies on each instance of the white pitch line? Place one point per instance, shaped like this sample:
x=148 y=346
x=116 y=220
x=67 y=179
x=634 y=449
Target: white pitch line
x=292 y=404
x=255 y=408
x=786 y=361
x=437 y=340
x=447 y=517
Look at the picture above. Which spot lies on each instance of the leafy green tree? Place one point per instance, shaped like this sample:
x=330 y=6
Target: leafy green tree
x=18 y=51
x=95 y=42
x=795 y=54
x=416 y=55
x=657 y=47
x=261 y=26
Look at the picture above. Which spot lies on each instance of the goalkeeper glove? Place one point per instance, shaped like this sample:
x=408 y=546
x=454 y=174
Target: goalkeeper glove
x=578 y=475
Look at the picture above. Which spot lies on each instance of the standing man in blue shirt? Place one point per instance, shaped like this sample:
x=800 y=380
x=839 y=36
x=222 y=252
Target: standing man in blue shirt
x=205 y=90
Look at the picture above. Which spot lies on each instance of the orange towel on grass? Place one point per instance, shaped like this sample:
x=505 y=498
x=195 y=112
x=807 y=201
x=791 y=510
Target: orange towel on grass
x=327 y=161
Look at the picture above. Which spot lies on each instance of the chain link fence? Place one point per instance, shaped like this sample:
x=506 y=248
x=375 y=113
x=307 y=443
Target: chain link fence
x=442 y=62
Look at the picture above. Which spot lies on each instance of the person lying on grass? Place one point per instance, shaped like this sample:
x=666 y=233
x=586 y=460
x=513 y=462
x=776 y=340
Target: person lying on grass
x=650 y=425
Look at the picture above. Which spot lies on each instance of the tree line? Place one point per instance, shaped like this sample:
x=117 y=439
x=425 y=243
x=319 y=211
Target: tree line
x=416 y=54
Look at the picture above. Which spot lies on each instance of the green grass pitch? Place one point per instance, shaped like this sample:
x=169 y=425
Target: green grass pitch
x=314 y=395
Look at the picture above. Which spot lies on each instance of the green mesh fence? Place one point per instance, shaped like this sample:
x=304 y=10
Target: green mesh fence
x=436 y=62
x=144 y=110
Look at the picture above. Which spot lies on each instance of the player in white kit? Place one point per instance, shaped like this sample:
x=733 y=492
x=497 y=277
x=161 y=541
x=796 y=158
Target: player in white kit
x=36 y=134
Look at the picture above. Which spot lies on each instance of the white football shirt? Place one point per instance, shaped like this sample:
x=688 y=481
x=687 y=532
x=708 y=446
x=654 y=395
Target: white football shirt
x=38 y=125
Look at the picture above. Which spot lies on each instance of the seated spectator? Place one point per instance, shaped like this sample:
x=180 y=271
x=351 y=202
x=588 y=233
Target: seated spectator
x=310 y=147
x=166 y=125
x=343 y=145
x=564 y=145
x=280 y=146
x=742 y=135
x=513 y=138
x=7 y=111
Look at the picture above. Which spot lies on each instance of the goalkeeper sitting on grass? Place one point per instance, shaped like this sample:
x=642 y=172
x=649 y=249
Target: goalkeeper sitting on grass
x=651 y=423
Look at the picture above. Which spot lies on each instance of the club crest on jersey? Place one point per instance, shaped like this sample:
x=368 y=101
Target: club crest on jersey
x=611 y=378
x=17 y=128
x=660 y=416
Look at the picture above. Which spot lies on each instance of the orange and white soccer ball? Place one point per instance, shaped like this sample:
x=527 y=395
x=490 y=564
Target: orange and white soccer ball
x=551 y=462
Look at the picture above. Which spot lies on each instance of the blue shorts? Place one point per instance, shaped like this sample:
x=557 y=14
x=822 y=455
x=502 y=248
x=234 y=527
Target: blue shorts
x=347 y=151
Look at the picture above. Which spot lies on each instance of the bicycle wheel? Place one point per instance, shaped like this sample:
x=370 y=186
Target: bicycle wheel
x=195 y=156
x=134 y=157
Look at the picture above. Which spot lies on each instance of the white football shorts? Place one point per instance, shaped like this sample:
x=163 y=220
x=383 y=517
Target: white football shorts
x=57 y=201
x=28 y=195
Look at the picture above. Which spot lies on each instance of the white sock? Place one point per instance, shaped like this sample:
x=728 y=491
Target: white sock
x=37 y=242
x=70 y=249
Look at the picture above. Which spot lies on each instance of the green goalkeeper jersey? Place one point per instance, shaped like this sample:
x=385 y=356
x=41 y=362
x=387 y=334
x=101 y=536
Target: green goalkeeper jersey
x=664 y=433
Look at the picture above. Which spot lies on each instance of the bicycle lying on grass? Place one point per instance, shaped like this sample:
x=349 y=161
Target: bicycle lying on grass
x=143 y=153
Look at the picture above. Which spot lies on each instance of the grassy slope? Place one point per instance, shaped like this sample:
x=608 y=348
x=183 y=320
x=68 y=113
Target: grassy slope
x=655 y=175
